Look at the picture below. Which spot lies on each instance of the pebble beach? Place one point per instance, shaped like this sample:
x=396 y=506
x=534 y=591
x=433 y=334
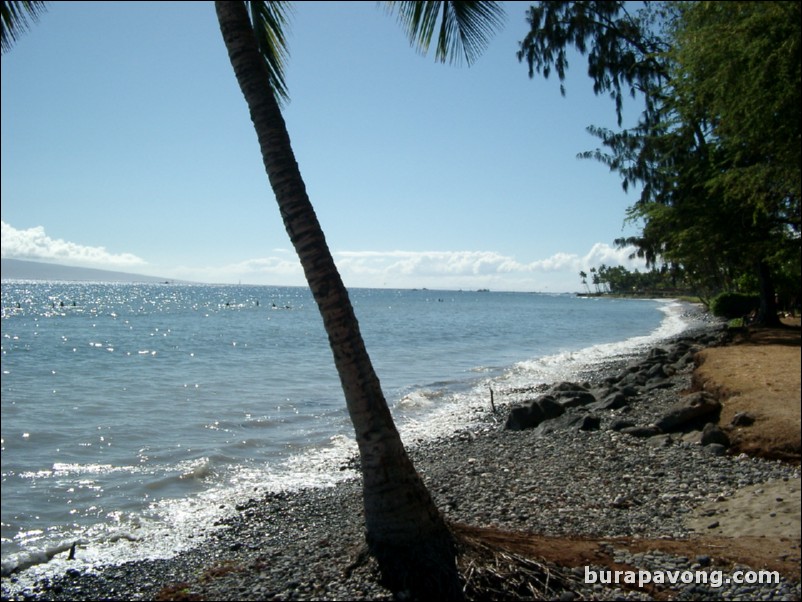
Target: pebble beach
x=572 y=478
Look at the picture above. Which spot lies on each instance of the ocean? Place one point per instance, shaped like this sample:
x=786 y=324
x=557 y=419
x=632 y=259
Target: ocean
x=136 y=416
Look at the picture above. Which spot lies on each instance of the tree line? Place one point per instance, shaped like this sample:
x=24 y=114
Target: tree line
x=716 y=150
x=617 y=280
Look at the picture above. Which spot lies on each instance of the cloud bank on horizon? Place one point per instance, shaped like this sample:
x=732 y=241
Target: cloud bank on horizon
x=34 y=244
x=371 y=269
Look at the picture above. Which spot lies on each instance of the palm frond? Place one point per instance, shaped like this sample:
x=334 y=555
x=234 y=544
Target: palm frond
x=269 y=20
x=465 y=28
x=16 y=18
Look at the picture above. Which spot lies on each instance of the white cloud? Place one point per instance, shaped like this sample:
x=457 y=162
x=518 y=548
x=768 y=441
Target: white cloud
x=422 y=263
x=557 y=262
x=476 y=269
x=402 y=269
x=605 y=254
x=285 y=271
x=429 y=269
x=35 y=245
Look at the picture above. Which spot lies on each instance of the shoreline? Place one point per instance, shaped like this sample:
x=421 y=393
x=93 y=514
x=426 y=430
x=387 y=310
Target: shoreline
x=563 y=486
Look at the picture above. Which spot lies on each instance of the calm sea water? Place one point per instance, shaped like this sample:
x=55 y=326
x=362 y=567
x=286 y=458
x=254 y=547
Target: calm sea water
x=134 y=416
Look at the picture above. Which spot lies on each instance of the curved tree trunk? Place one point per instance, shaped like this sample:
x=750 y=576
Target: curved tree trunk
x=405 y=531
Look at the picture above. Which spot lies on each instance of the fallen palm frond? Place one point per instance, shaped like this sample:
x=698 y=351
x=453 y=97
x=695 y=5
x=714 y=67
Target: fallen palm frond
x=490 y=571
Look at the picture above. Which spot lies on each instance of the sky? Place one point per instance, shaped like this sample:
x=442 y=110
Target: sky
x=127 y=146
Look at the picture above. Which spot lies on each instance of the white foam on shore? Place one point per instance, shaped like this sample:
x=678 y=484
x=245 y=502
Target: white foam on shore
x=469 y=408
x=172 y=526
x=566 y=365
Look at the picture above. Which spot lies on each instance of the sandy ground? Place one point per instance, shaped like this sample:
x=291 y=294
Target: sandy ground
x=758 y=526
x=759 y=375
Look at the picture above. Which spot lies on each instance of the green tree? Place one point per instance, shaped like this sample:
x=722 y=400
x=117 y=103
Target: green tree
x=584 y=277
x=741 y=62
x=738 y=67
x=623 y=49
x=619 y=280
x=405 y=531
x=594 y=278
x=716 y=149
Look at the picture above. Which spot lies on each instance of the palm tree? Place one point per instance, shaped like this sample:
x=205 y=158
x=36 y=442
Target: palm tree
x=594 y=279
x=15 y=17
x=584 y=276
x=404 y=529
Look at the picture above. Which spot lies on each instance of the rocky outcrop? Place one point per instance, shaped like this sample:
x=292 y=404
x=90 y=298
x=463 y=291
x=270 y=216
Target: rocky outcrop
x=573 y=406
x=692 y=410
x=712 y=434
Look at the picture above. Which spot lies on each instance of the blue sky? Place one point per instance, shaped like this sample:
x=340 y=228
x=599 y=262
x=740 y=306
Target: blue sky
x=126 y=145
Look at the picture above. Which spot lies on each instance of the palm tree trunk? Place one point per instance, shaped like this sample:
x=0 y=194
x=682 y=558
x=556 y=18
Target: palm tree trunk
x=403 y=524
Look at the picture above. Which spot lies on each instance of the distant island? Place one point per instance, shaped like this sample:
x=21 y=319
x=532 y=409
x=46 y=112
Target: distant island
x=17 y=269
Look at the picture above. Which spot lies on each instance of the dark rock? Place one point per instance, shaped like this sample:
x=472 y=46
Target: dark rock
x=561 y=423
x=659 y=383
x=549 y=407
x=634 y=379
x=715 y=449
x=742 y=419
x=656 y=371
x=604 y=391
x=713 y=434
x=641 y=431
x=590 y=423
x=524 y=417
x=568 y=386
x=689 y=410
x=628 y=391
x=529 y=416
x=684 y=360
x=550 y=426
x=611 y=402
x=574 y=399
x=620 y=423
x=612 y=380
x=677 y=351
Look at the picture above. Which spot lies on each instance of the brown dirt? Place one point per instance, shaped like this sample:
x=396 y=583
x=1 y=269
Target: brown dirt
x=758 y=373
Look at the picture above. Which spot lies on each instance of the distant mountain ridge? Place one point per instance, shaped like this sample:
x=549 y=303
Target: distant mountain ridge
x=17 y=269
